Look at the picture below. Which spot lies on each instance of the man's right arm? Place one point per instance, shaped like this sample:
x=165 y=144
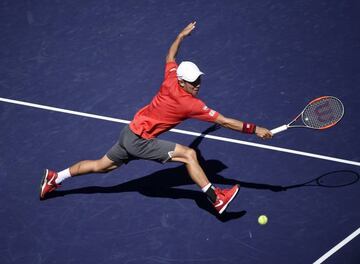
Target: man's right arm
x=239 y=126
x=176 y=44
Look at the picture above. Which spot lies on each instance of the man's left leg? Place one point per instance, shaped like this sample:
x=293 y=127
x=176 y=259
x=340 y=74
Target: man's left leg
x=220 y=198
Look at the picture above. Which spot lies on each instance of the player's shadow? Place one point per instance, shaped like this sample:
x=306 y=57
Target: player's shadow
x=163 y=183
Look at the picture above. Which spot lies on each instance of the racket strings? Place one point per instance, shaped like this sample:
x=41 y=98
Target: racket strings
x=323 y=113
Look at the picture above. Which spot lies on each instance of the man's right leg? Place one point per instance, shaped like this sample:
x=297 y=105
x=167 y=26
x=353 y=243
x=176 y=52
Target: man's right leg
x=112 y=160
x=52 y=179
x=102 y=165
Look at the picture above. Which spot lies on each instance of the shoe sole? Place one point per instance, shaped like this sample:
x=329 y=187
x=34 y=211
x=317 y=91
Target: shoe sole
x=226 y=205
x=43 y=184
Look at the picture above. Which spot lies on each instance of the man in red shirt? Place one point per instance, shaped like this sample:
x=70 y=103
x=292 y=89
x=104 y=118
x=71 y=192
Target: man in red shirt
x=175 y=102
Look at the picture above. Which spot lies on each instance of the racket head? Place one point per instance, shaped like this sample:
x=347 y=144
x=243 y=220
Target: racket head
x=337 y=179
x=323 y=112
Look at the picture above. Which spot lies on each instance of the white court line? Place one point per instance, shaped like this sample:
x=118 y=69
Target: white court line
x=235 y=141
x=338 y=246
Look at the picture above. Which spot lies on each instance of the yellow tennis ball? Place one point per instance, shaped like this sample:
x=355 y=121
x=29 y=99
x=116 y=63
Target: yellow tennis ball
x=262 y=219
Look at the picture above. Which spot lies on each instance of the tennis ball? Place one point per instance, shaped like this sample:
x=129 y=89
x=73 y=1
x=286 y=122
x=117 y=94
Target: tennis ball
x=262 y=219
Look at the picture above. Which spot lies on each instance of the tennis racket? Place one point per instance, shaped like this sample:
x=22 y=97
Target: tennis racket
x=321 y=113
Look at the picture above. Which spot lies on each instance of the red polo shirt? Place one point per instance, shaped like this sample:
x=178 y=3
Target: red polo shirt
x=170 y=106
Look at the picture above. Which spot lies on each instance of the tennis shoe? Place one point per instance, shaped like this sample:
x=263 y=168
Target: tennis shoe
x=224 y=197
x=48 y=183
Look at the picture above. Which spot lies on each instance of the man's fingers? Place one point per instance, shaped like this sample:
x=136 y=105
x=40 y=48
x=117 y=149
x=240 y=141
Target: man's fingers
x=266 y=136
x=191 y=26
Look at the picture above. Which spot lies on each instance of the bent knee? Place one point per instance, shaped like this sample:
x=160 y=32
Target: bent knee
x=190 y=155
x=184 y=154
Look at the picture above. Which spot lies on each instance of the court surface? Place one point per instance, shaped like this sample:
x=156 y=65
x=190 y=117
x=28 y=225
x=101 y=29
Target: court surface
x=263 y=61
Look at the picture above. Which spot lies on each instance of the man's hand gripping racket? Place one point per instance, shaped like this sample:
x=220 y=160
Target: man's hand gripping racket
x=321 y=113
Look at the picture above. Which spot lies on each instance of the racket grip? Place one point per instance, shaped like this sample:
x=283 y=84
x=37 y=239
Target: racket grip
x=279 y=129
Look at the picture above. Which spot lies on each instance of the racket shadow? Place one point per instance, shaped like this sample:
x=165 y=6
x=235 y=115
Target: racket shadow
x=333 y=179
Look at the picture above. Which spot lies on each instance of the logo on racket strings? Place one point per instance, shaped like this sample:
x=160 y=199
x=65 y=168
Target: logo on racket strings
x=324 y=112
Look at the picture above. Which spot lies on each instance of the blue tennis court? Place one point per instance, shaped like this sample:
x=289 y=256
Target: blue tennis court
x=74 y=73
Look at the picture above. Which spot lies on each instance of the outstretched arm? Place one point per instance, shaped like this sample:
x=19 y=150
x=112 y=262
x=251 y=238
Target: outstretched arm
x=239 y=126
x=176 y=44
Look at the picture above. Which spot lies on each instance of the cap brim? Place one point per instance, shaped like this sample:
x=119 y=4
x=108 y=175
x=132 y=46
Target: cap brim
x=193 y=78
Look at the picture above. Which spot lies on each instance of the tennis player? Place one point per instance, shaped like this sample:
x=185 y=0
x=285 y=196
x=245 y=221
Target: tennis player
x=175 y=101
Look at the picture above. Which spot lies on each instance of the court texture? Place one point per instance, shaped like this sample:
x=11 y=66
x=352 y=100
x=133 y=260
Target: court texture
x=74 y=73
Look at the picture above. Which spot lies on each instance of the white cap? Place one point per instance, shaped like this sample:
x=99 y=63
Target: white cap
x=188 y=71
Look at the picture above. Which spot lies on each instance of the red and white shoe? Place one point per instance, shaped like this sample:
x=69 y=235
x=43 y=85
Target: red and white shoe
x=48 y=183
x=224 y=197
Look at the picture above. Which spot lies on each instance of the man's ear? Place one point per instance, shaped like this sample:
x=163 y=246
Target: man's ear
x=182 y=83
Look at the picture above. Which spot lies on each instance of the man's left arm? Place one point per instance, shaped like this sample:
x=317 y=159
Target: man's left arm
x=242 y=126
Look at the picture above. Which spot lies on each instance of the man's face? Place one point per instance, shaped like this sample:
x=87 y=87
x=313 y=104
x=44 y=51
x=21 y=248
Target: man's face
x=192 y=88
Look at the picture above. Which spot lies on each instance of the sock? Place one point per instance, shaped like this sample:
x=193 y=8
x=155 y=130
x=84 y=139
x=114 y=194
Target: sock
x=209 y=189
x=63 y=175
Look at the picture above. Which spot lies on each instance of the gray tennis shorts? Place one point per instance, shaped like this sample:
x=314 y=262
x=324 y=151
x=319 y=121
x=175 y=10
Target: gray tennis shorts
x=131 y=147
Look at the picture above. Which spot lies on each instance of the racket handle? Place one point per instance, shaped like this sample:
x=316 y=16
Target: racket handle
x=279 y=129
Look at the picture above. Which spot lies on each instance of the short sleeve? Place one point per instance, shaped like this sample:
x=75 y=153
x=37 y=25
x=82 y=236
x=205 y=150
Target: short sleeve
x=200 y=111
x=170 y=69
